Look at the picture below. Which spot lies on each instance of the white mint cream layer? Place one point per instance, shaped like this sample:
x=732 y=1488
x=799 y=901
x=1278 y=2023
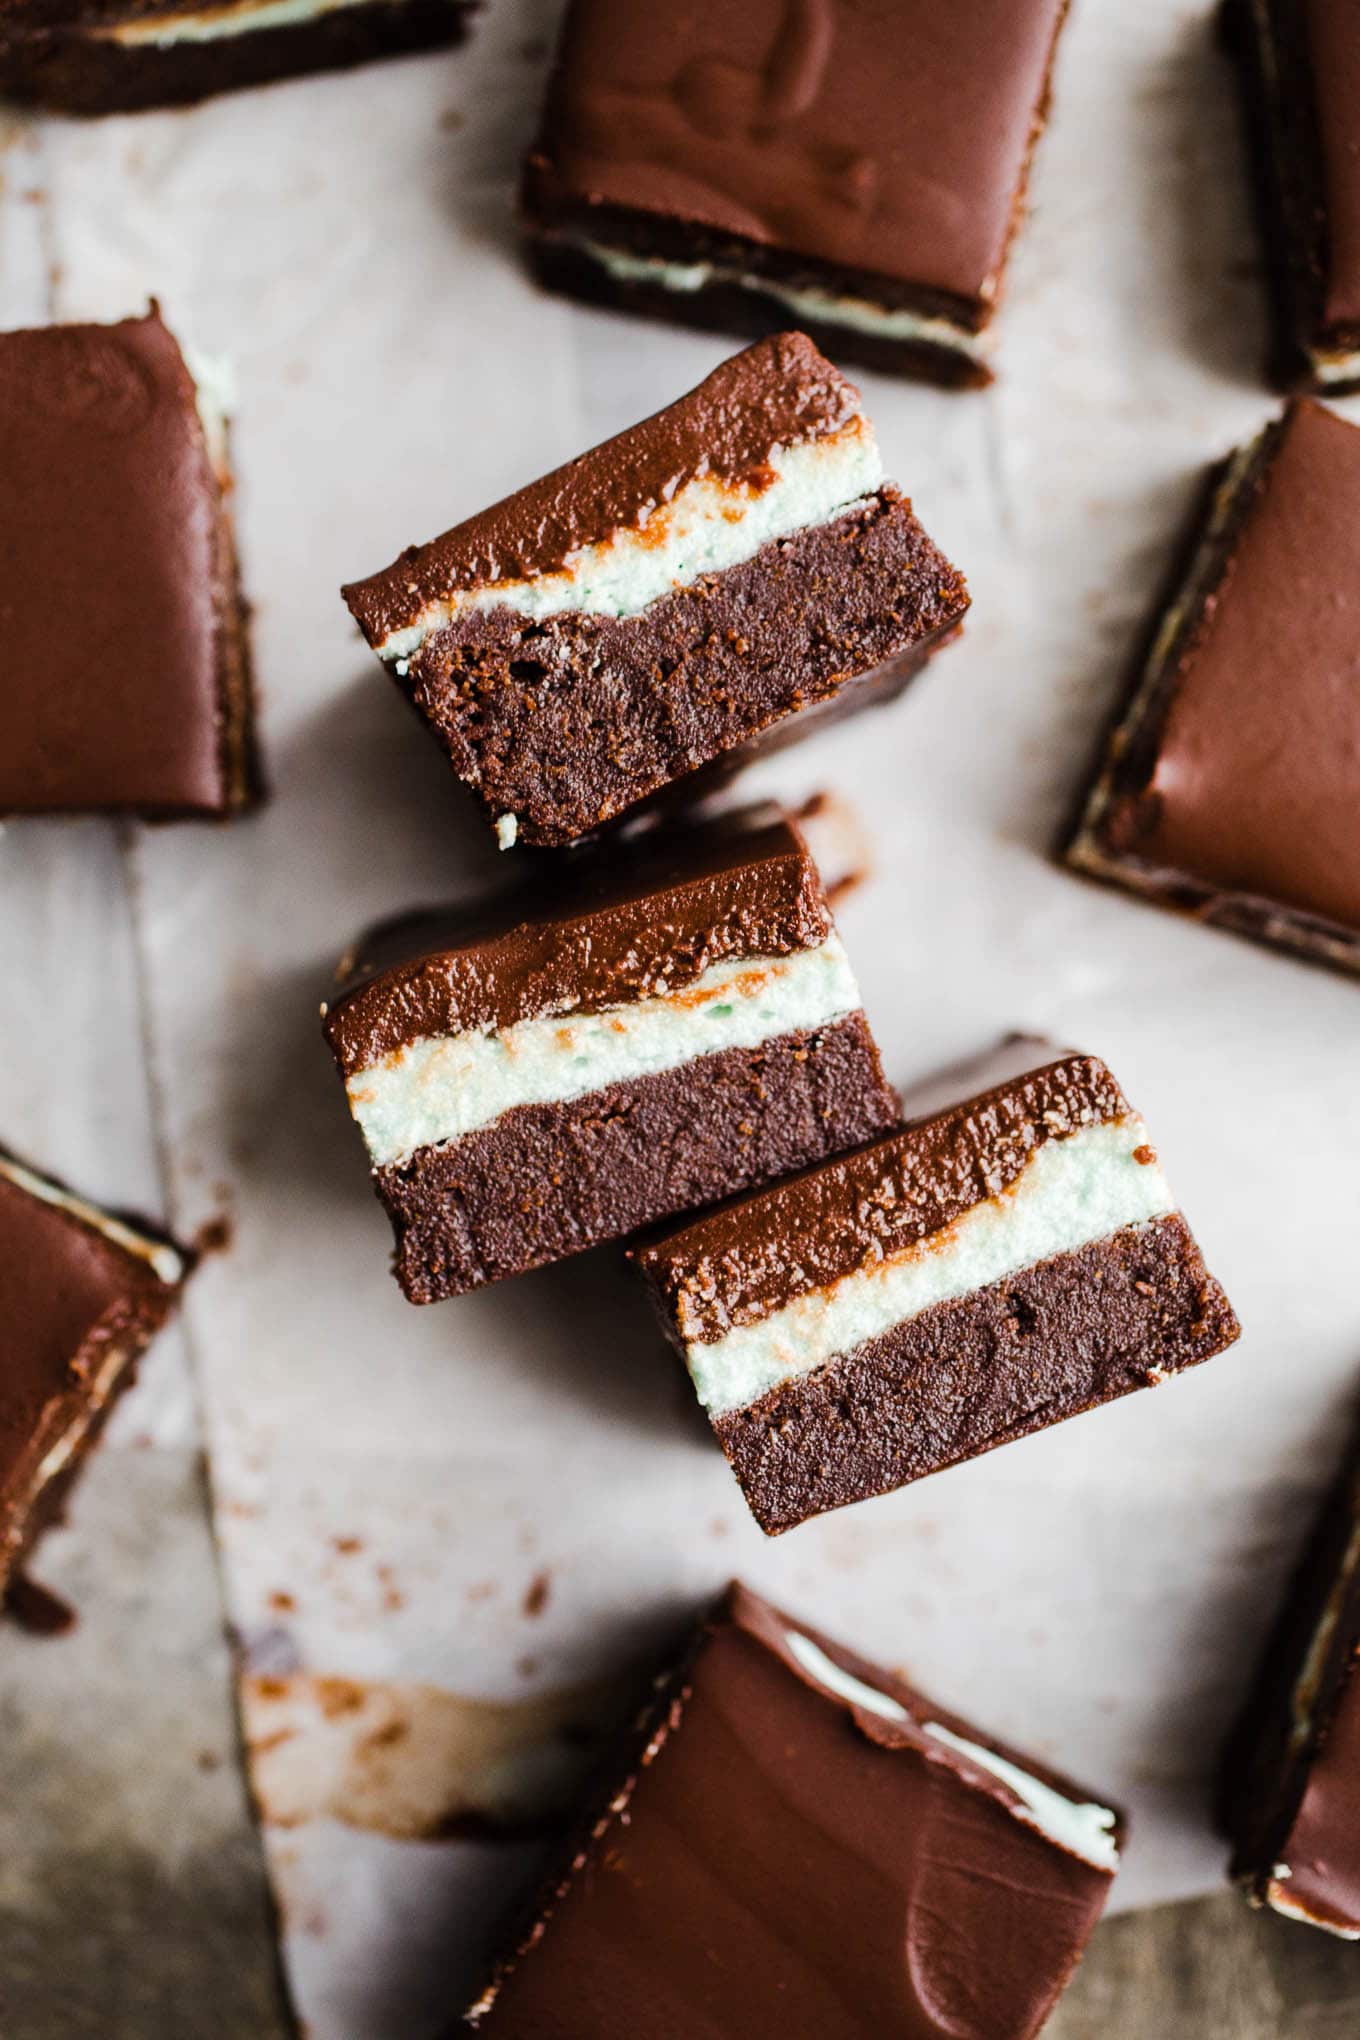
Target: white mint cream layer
x=215 y=24
x=708 y=526
x=1081 y=1827
x=443 y=1087
x=1070 y=1193
x=827 y=308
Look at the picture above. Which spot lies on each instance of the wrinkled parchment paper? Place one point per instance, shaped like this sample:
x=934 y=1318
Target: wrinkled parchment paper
x=444 y=1530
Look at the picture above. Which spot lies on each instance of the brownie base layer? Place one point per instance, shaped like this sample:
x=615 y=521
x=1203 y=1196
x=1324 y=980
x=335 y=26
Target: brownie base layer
x=962 y=1377
x=749 y=310
x=1289 y=201
x=546 y=1181
x=568 y=721
x=81 y=74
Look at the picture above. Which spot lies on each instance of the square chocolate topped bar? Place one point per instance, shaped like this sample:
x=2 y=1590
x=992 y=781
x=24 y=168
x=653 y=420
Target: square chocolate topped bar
x=987 y=1271
x=1231 y=783
x=729 y=570
x=121 y=56
x=1290 y=1788
x=1300 y=65
x=857 y=169
x=629 y=1039
x=81 y=1294
x=795 y=1842
x=124 y=679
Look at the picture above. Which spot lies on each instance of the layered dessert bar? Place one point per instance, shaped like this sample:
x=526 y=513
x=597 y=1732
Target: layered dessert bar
x=630 y=1039
x=794 y=1841
x=859 y=171
x=730 y=569
x=990 y=1269
x=1299 y=62
x=122 y=56
x=83 y=1293
x=122 y=630
x=1290 y=1789
x=1231 y=781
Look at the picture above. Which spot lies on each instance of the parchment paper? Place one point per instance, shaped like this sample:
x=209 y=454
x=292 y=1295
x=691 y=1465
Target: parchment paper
x=442 y=1529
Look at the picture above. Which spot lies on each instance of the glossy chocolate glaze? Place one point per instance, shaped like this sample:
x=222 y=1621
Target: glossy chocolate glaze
x=49 y=59
x=601 y=930
x=769 y=1858
x=545 y=1181
x=963 y=1377
x=1236 y=779
x=1290 y=1788
x=888 y=142
x=775 y=394
x=70 y=1298
x=734 y=1266
x=114 y=516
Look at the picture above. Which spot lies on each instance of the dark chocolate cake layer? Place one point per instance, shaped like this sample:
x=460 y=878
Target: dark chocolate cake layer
x=961 y=1378
x=793 y=1841
x=545 y=1181
x=61 y=65
x=567 y=722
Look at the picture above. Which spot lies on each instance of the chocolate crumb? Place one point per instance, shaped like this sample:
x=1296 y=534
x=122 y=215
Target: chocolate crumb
x=38 y=1610
x=214 y=1236
x=536 y=1594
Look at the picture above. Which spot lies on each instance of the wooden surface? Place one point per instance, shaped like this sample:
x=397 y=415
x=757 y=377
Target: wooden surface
x=1213 y=1970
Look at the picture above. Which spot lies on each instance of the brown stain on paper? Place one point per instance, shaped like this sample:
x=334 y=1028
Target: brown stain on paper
x=417 y=1762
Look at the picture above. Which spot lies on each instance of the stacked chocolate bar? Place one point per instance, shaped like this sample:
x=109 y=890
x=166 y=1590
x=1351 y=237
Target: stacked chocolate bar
x=84 y=1291
x=121 y=56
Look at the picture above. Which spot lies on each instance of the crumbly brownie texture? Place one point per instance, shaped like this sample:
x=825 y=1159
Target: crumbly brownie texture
x=643 y=1036
x=990 y=1270
x=793 y=1840
x=680 y=594
x=1299 y=62
x=1211 y=798
x=83 y=1294
x=90 y=59
x=861 y=173
x=116 y=514
x=1290 y=1786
